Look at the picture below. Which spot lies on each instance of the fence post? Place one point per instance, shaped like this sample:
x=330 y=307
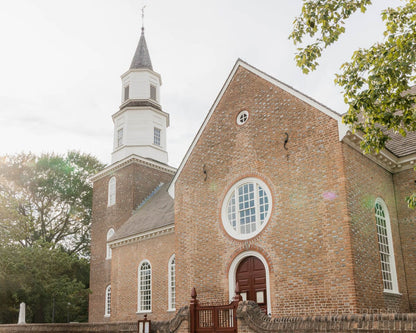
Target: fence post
x=192 y=311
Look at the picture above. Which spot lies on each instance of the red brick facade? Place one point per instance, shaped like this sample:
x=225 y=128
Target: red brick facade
x=320 y=245
x=321 y=241
x=134 y=182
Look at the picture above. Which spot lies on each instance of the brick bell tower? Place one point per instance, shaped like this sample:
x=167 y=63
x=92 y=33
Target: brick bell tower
x=138 y=167
x=140 y=124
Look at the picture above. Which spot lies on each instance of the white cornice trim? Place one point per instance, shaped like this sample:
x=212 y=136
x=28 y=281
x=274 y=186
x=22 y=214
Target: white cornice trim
x=130 y=160
x=268 y=78
x=138 y=108
x=143 y=236
x=385 y=159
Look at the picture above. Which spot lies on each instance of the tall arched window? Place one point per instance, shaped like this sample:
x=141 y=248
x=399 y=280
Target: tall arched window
x=385 y=246
x=110 y=233
x=112 y=191
x=108 y=301
x=171 y=284
x=145 y=287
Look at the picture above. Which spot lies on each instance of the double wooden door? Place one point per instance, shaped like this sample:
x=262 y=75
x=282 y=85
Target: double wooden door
x=251 y=278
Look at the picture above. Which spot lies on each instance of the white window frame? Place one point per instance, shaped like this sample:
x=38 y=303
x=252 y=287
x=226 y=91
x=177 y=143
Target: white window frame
x=153 y=88
x=112 y=183
x=172 y=284
x=120 y=137
x=242 y=117
x=126 y=92
x=259 y=226
x=139 y=290
x=391 y=259
x=157 y=136
x=108 y=254
x=107 y=310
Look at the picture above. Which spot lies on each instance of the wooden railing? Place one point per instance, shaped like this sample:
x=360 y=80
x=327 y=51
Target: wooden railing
x=210 y=318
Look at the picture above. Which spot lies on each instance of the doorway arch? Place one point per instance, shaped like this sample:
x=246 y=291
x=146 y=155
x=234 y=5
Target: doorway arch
x=232 y=274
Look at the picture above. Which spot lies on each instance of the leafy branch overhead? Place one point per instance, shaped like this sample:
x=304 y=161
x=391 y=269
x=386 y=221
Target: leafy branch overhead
x=377 y=81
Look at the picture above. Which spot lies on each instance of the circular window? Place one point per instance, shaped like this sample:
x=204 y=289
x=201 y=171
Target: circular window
x=242 y=117
x=246 y=208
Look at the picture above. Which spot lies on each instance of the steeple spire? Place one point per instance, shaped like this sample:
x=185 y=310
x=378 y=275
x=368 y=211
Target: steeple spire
x=141 y=57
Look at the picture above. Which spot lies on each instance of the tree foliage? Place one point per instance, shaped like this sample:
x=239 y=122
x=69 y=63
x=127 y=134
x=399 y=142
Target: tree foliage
x=45 y=215
x=48 y=199
x=376 y=82
x=52 y=283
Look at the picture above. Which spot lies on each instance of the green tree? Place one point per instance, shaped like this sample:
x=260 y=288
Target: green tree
x=377 y=80
x=45 y=216
x=48 y=199
x=51 y=282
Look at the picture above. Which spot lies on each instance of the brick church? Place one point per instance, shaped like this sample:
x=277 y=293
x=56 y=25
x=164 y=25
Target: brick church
x=273 y=193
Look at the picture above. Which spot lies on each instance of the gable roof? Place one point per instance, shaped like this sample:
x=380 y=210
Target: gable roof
x=240 y=63
x=156 y=213
x=400 y=152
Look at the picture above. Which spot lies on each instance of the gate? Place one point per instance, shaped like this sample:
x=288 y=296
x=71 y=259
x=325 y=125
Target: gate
x=213 y=319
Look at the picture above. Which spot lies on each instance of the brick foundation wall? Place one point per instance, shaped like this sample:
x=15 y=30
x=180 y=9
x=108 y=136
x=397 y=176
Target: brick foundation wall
x=366 y=181
x=251 y=320
x=178 y=324
x=71 y=328
x=134 y=182
x=405 y=185
x=307 y=240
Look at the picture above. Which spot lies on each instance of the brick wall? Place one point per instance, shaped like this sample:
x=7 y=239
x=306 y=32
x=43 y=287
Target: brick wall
x=251 y=320
x=366 y=181
x=124 y=288
x=134 y=182
x=307 y=240
x=405 y=185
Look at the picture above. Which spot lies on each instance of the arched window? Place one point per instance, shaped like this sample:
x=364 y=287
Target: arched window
x=112 y=191
x=108 y=301
x=110 y=233
x=171 y=284
x=385 y=246
x=145 y=287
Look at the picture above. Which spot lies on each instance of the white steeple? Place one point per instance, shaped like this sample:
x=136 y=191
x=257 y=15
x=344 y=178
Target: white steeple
x=140 y=124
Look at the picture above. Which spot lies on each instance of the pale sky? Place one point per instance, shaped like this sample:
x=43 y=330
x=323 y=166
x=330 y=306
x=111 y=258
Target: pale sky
x=61 y=61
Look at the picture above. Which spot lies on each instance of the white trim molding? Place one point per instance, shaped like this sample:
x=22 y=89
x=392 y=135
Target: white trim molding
x=385 y=159
x=130 y=160
x=143 y=236
x=233 y=271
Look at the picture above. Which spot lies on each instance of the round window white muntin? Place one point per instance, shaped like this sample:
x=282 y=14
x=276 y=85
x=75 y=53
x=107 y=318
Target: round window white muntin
x=232 y=226
x=242 y=117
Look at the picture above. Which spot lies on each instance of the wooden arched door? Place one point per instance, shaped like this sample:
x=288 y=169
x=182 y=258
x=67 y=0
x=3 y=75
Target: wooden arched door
x=251 y=278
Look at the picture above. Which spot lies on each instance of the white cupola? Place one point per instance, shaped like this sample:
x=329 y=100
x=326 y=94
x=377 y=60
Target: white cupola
x=140 y=124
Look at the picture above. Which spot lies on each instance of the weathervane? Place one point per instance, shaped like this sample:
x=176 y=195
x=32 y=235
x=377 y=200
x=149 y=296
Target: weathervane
x=143 y=17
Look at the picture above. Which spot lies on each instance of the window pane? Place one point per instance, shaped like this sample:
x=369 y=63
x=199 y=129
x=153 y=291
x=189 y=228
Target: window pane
x=126 y=92
x=119 y=137
x=145 y=292
x=156 y=136
x=384 y=247
x=153 y=92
